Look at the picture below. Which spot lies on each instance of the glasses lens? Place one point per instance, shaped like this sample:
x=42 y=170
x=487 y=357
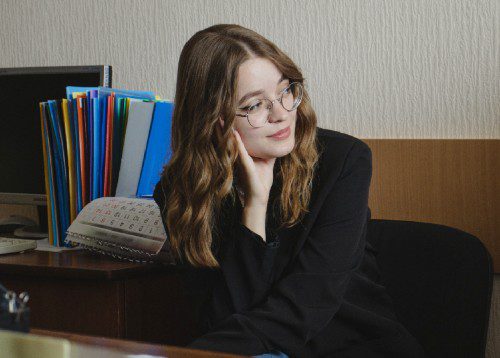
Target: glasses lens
x=258 y=112
x=292 y=96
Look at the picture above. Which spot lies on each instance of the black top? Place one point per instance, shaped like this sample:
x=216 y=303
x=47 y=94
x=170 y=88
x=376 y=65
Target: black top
x=312 y=290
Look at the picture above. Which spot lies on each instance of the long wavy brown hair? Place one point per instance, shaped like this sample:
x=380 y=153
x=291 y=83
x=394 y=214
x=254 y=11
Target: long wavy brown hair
x=201 y=172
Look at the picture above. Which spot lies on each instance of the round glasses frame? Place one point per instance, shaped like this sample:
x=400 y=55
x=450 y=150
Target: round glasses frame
x=280 y=100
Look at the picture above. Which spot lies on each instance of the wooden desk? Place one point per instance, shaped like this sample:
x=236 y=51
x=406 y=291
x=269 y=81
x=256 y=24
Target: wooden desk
x=86 y=293
x=134 y=347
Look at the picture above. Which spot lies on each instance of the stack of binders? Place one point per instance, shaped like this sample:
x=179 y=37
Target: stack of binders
x=101 y=142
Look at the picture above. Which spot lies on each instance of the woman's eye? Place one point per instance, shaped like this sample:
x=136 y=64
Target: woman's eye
x=254 y=106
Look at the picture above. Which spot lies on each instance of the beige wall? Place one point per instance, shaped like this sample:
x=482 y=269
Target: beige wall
x=374 y=69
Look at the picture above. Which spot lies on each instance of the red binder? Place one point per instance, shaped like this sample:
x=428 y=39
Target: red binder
x=82 y=129
x=109 y=145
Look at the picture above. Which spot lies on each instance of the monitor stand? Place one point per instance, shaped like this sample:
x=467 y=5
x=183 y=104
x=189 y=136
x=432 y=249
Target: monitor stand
x=30 y=232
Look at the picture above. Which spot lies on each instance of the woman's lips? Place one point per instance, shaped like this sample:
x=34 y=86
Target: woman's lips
x=282 y=134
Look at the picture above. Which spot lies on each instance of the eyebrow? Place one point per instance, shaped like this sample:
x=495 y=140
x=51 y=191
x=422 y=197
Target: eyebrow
x=254 y=93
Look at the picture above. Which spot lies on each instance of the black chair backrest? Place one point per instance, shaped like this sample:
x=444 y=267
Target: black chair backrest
x=440 y=280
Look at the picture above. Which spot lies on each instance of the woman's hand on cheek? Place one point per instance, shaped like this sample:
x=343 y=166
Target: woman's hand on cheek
x=258 y=175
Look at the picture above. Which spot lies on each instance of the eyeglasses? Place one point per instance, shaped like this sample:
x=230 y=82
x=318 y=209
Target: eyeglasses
x=258 y=112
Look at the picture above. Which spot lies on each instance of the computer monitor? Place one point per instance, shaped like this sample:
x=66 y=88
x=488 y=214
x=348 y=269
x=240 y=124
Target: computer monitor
x=22 y=178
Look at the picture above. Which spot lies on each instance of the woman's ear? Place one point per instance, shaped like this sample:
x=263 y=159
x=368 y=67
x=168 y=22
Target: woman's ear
x=221 y=122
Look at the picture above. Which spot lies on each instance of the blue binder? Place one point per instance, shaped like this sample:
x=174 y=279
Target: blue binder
x=94 y=144
x=158 y=149
x=50 y=172
x=60 y=164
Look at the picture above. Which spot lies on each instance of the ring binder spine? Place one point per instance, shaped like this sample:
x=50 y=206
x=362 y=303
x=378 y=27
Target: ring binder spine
x=107 y=76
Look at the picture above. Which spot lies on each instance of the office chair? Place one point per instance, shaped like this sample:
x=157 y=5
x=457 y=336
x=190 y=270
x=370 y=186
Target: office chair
x=440 y=280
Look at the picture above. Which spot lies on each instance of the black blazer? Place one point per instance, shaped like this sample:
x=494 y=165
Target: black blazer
x=312 y=290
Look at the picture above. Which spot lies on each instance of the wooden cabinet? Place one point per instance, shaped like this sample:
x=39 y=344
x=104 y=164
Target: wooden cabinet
x=81 y=292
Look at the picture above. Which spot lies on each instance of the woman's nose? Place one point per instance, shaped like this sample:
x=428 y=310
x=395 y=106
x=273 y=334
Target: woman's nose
x=277 y=113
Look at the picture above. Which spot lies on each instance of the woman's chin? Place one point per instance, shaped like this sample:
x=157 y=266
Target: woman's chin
x=272 y=149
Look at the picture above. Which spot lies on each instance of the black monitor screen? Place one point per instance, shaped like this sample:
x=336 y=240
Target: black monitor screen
x=21 y=155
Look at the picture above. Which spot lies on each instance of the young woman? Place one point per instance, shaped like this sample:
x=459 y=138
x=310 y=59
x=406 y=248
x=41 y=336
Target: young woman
x=268 y=213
